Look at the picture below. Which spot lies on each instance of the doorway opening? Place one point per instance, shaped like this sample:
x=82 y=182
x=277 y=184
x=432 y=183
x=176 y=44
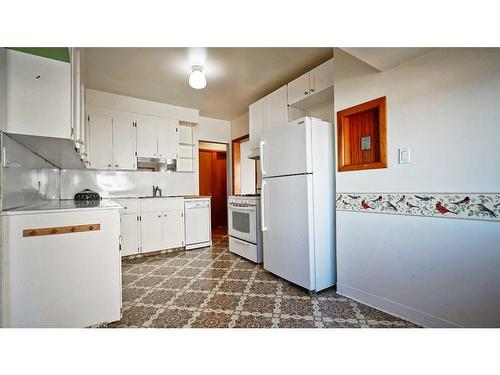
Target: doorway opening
x=245 y=170
x=213 y=182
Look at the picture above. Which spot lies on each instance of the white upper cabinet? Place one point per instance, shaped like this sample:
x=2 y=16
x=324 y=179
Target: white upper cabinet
x=101 y=141
x=124 y=143
x=322 y=77
x=168 y=138
x=111 y=142
x=38 y=96
x=276 y=108
x=310 y=84
x=256 y=119
x=271 y=110
x=299 y=88
x=147 y=139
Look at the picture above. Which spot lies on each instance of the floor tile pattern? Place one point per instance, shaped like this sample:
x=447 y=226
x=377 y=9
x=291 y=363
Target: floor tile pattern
x=213 y=288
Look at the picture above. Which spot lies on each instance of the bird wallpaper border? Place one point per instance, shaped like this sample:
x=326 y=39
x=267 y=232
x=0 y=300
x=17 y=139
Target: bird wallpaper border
x=471 y=206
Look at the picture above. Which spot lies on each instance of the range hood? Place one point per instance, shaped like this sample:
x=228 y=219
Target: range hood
x=254 y=154
x=58 y=151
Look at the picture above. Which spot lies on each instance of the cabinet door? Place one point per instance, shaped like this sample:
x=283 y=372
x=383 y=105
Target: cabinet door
x=38 y=96
x=129 y=230
x=151 y=231
x=124 y=143
x=168 y=141
x=256 y=119
x=322 y=77
x=147 y=139
x=276 y=108
x=298 y=89
x=173 y=229
x=101 y=141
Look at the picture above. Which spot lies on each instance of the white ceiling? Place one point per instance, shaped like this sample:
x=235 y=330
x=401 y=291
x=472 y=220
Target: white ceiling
x=236 y=77
x=385 y=58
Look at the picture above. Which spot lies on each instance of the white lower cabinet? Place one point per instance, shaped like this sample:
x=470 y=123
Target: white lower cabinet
x=129 y=229
x=173 y=229
x=151 y=231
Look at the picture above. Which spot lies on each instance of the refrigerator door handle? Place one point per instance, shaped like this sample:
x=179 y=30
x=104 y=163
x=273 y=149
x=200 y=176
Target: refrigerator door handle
x=262 y=169
x=263 y=205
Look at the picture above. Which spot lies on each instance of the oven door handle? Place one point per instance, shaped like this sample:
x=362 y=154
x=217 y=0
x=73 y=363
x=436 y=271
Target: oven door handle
x=243 y=208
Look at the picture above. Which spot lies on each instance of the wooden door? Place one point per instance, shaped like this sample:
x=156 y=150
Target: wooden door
x=213 y=182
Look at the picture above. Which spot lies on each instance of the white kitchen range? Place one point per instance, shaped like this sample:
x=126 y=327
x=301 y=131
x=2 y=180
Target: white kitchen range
x=245 y=237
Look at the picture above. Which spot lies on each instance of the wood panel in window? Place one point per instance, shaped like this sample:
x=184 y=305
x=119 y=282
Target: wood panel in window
x=361 y=133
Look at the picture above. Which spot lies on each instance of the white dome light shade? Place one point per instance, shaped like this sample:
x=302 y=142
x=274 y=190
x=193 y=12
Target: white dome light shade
x=197 y=79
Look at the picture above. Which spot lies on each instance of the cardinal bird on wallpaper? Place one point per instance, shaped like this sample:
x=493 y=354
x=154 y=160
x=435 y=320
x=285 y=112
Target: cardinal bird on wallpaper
x=466 y=200
x=365 y=205
x=485 y=210
x=442 y=209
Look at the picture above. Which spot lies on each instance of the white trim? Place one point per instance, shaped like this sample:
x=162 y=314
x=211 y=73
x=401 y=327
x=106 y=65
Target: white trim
x=394 y=308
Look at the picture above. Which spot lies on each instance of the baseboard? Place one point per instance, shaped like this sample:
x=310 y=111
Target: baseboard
x=394 y=308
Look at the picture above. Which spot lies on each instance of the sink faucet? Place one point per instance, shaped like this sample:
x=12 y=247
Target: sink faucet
x=156 y=190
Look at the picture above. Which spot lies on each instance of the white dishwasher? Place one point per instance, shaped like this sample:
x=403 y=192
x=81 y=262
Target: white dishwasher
x=198 y=223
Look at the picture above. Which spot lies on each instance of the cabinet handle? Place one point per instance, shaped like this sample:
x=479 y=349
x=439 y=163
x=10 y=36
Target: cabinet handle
x=116 y=165
x=306 y=92
x=159 y=215
x=312 y=90
x=109 y=165
x=164 y=215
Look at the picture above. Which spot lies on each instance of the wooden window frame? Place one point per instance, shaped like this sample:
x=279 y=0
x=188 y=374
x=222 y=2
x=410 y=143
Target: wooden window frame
x=343 y=135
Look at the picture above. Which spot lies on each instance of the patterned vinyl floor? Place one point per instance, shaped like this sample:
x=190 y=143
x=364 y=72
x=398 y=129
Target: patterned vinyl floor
x=212 y=287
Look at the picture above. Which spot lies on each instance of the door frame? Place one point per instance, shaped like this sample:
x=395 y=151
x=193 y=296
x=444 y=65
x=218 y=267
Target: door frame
x=227 y=152
x=236 y=161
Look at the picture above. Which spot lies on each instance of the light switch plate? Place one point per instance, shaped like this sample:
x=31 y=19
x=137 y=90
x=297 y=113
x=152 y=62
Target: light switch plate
x=404 y=155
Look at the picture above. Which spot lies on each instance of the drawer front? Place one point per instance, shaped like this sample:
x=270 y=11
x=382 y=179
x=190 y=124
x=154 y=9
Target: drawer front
x=244 y=249
x=161 y=204
x=129 y=205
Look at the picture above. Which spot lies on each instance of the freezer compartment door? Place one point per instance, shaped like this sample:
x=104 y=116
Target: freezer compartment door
x=286 y=225
x=286 y=149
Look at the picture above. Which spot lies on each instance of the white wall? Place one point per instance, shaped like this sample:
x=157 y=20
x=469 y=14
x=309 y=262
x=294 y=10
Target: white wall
x=213 y=130
x=247 y=170
x=239 y=126
x=433 y=271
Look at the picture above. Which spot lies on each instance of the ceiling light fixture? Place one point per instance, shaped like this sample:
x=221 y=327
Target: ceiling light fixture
x=197 y=79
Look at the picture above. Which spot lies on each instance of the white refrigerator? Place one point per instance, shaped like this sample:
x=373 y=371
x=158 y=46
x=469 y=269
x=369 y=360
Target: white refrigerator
x=297 y=198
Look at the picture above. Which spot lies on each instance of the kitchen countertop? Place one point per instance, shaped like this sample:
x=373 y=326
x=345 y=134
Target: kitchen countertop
x=66 y=204
x=190 y=197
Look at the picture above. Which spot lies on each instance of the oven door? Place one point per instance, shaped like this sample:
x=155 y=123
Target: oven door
x=243 y=222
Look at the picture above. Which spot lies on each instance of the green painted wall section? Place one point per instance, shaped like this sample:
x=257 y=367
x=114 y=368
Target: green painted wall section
x=55 y=53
